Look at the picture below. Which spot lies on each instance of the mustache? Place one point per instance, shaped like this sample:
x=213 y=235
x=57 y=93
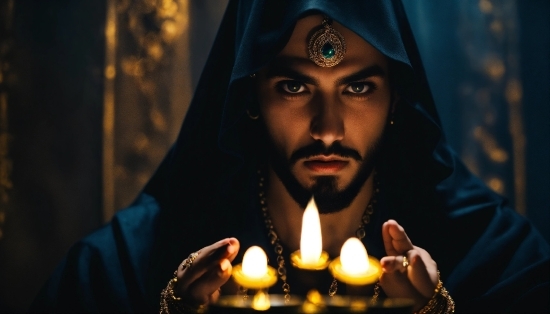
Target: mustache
x=318 y=148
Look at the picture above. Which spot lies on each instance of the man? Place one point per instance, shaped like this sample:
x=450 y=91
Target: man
x=303 y=98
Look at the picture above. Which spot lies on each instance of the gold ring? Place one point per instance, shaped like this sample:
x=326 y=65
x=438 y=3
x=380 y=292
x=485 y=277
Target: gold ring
x=405 y=262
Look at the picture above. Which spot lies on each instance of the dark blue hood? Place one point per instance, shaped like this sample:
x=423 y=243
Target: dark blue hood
x=218 y=150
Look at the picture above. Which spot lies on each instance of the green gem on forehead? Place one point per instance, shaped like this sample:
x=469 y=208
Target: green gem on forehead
x=328 y=51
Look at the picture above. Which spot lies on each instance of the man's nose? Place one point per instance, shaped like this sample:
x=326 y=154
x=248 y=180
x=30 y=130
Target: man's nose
x=327 y=124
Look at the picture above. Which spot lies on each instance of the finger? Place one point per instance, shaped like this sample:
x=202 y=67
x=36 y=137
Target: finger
x=397 y=285
x=395 y=280
x=387 y=239
x=207 y=258
x=419 y=274
x=396 y=241
x=391 y=264
x=233 y=249
x=226 y=248
x=214 y=296
x=205 y=287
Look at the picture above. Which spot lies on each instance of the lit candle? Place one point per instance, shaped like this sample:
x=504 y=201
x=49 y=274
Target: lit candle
x=354 y=258
x=354 y=266
x=254 y=273
x=311 y=255
x=311 y=241
x=255 y=262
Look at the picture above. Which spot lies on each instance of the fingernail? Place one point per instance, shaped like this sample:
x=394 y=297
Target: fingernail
x=224 y=265
x=231 y=249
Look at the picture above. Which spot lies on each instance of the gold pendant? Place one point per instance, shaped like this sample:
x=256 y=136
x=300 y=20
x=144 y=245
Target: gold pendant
x=326 y=46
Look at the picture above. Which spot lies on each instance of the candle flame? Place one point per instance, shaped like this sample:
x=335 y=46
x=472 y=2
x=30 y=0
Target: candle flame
x=311 y=243
x=353 y=257
x=260 y=302
x=255 y=262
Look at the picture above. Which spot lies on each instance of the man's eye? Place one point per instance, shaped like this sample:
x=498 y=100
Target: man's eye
x=358 y=88
x=292 y=87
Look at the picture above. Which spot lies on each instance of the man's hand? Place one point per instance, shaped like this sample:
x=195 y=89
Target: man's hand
x=418 y=279
x=200 y=283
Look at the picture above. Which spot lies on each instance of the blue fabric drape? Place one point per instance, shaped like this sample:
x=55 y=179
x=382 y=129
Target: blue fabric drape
x=488 y=65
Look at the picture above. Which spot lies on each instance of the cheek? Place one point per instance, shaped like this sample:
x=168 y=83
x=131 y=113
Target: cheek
x=288 y=127
x=364 y=127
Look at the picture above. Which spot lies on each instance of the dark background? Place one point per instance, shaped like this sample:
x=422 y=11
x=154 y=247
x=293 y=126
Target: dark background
x=52 y=85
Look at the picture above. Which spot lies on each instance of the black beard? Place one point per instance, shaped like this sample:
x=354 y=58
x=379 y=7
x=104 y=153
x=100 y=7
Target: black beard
x=325 y=191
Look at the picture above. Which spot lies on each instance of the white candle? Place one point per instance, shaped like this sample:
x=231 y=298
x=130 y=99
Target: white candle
x=255 y=262
x=354 y=258
x=311 y=243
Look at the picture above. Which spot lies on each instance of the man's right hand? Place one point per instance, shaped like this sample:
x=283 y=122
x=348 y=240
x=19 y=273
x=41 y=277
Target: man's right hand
x=200 y=283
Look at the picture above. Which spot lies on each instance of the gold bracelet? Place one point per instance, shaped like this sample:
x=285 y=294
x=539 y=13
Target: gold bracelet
x=376 y=294
x=440 y=303
x=169 y=302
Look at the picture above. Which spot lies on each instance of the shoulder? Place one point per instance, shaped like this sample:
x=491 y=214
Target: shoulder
x=105 y=271
x=494 y=258
x=131 y=224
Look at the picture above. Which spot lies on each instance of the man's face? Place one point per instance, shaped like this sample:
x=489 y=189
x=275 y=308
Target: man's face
x=324 y=123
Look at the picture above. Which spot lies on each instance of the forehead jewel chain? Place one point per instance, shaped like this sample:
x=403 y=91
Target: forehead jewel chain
x=326 y=46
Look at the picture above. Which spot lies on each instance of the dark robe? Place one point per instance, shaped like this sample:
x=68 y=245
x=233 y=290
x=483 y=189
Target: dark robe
x=490 y=258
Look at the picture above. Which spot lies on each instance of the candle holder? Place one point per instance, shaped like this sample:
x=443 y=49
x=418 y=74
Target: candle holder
x=261 y=301
x=354 y=266
x=239 y=304
x=264 y=282
x=337 y=304
x=253 y=273
x=320 y=264
x=317 y=303
x=390 y=305
x=368 y=277
x=308 y=273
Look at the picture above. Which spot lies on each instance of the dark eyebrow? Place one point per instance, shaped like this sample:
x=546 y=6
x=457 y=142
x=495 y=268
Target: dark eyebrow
x=373 y=70
x=282 y=67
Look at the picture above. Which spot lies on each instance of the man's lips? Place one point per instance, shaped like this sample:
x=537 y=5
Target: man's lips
x=325 y=165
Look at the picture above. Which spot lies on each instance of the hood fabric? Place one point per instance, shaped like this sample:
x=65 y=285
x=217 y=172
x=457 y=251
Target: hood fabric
x=219 y=149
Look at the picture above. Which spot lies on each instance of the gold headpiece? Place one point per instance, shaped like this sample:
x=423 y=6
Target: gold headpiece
x=326 y=46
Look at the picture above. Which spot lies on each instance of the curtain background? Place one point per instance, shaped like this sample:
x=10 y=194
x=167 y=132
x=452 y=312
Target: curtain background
x=488 y=65
x=92 y=94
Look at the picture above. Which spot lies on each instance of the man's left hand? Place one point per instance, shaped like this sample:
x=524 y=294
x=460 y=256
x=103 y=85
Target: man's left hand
x=408 y=271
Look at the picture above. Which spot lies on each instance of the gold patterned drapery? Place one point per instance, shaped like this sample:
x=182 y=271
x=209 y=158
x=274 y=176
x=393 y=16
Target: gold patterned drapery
x=147 y=91
x=493 y=145
x=472 y=55
x=92 y=94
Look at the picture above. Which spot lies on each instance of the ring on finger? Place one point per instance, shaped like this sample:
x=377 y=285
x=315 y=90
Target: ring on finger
x=405 y=262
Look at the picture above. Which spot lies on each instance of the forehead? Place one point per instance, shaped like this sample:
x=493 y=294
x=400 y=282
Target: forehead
x=358 y=50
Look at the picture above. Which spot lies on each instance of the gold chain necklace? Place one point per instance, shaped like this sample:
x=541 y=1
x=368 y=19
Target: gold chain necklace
x=278 y=248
